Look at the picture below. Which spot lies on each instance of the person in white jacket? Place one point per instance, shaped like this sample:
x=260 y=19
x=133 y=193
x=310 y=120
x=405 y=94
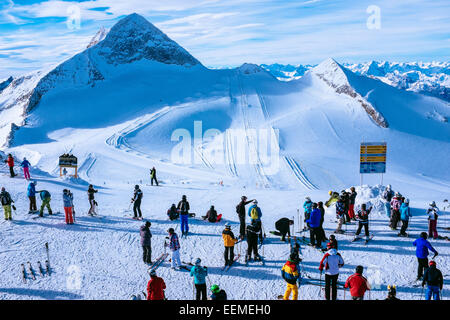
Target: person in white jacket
x=433 y=214
x=331 y=262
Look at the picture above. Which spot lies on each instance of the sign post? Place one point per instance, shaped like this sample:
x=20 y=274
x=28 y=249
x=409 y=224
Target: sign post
x=373 y=158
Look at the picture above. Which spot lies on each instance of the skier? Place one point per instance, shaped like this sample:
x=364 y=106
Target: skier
x=91 y=191
x=10 y=162
x=31 y=193
x=173 y=212
x=283 y=226
x=334 y=196
x=255 y=213
x=322 y=235
x=433 y=213
x=387 y=196
x=346 y=200
x=229 y=241
x=155 y=287
x=253 y=232
x=46 y=198
x=240 y=210
x=183 y=207
x=137 y=198
x=199 y=273
x=331 y=262
x=314 y=227
x=307 y=206
x=422 y=245
x=174 y=246
x=332 y=244
x=25 y=164
x=6 y=201
x=290 y=274
x=357 y=284
x=68 y=205
x=396 y=203
x=392 y=293
x=351 y=207
x=363 y=221
x=146 y=242
x=217 y=293
x=434 y=281
x=405 y=214
x=340 y=215
x=211 y=215
x=153 y=176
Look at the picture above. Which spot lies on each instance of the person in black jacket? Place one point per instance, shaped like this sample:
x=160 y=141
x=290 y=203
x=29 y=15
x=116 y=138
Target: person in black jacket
x=218 y=294
x=322 y=236
x=183 y=207
x=434 y=281
x=346 y=200
x=91 y=191
x=253 y=232
x=240 y=210
x=137 y=198
x=173 y=212
x=211 y=215
x=284 y=227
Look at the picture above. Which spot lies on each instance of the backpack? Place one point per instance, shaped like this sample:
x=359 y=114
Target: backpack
x=5 y=200
x=254 y=213
x=238 y=208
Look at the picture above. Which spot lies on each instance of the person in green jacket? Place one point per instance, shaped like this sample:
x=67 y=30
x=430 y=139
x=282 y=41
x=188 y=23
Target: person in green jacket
x=334 y=196
x=46 y=198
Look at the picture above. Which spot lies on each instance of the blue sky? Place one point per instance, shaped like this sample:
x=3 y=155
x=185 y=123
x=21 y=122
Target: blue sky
x=37 y=34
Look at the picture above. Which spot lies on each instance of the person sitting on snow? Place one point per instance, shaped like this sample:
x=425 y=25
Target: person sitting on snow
x=172 y=213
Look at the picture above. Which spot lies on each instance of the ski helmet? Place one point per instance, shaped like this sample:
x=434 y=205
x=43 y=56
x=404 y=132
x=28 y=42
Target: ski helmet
x=215 y=288
x=332 y=237
x=359 y=269
x=170 y=230
x=35 y=182
x=389 y=187
x=424 y=235
x=314 y=205
x=148 y=223
x=330 y=192
x=3 y=188
x=24 y=158
x=307 y=198
x=244 y=198
x=152 y=273
x=255 y=201
x=406 y=200
x=432 y=263
x=227 y=226
x=432 y=203
x=136 y=187
x=198 y=261
x=183 y=197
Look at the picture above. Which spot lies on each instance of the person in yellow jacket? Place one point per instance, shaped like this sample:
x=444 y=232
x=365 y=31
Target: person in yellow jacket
x=334 y=196
x=290 y=274
x=229 y=241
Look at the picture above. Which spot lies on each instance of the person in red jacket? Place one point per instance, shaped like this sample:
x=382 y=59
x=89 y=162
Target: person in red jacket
x=358 y=284
x=155 y=287
x=10 y=162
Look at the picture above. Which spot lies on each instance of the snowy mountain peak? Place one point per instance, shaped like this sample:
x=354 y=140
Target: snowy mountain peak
x=134 y=38
x=331 y=72
x=249 y=68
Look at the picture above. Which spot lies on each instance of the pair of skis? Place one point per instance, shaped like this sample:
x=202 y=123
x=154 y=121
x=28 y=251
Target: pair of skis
x=227 y=267
x=366 y=241
x=158 y=262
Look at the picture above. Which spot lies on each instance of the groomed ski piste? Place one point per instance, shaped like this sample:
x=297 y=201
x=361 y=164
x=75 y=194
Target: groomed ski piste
x=120 y=130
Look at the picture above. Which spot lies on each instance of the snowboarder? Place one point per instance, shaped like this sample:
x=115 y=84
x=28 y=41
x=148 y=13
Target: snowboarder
x=91 y=191
x=334 y=196
x=229 y=241
x=183 y=207
x=332 y=243
x=434 y=281
x=396 y=203
x=174 y=246
x=10 y=162
x=199 y=273
x=422 y=245
x=307 y=207
x=283 y=226
x=331 y=262
x=405 y=214
x=363 y=221
x=351 y=207
x=290 y=274
x=68 y=205
x=155 y=287
x=211 y=215
x=46 y=198
x=358 y=284
x=6 y=201
x=314 y=227
x=253 y=232
x=387 y=196
x=322 y=235
x=255 y=213
x=31 y=193
x=392 y=293
x=345 y=196
x=172 y=213
x=217 y=293
x=433 y=213
x=240 y=210
x=25 y=164
x=137 y=199
x=146 y=242
x=340 y=215
x=153 y=176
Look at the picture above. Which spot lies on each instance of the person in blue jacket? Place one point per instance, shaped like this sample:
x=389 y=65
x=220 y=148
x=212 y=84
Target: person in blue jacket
x=31 y=193
x=314 y=226
x=422 y=245
x=199 y=273
x=255 y=213
x=405 y=214
x=307 y=206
